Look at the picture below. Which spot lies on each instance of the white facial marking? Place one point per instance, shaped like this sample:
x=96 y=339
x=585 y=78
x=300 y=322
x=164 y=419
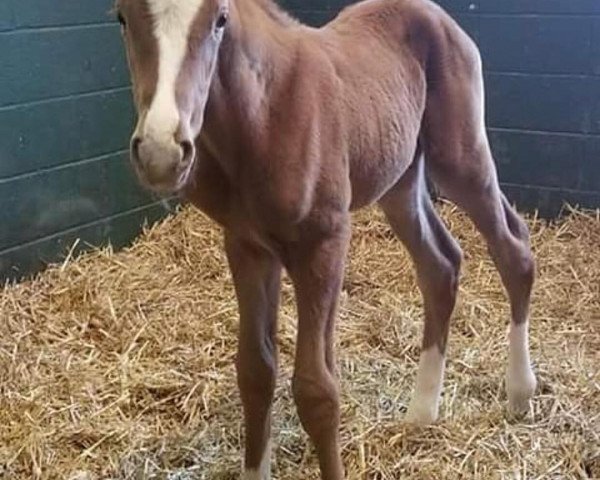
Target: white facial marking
x=424 y=404
x=520 y=379
x=264 y=471
x=173 y=21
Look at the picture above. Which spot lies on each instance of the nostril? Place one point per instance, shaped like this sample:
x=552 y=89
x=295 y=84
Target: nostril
x=135 y=148
x=187 y=149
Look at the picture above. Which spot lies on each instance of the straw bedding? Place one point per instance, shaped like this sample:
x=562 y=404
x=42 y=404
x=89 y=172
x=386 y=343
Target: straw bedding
x=120 y=365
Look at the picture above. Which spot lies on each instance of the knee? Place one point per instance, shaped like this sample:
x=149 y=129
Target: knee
x=454 y=257
x=448 y=272
x=519 y=272
x=526 y=262
x=439 y=280
x=526 y=266
x=317 y=400
x=450 y=262
x=256 y=373
x=516 y=224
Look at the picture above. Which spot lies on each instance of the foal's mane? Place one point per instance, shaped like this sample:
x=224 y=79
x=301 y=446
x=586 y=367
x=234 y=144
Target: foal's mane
x=275 y=12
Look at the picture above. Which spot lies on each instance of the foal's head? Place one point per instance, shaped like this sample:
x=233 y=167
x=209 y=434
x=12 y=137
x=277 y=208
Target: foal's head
x=172 y=48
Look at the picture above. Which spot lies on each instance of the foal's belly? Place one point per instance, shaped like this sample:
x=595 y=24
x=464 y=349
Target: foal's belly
x=382 y=127
x=376 y=169
x=383 y=98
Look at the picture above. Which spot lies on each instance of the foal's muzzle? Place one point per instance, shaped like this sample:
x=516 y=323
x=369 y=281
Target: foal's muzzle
x=163 y=166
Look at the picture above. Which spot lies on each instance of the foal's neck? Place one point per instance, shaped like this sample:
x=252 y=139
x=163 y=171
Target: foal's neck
x=256 y=56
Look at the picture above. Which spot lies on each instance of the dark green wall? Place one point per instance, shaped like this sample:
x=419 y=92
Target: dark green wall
x=65 y=115
x=65 y=118
x=542 y=64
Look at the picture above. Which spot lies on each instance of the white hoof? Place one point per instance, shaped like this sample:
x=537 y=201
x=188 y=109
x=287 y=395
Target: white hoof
x=424 y=404
x=520 y=388
x=520 y=379
x=264 y=471
x=421 y=414
x=255 y=475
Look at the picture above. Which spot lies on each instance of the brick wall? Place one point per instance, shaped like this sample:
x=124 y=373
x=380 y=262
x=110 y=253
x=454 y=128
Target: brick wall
x=65 y=118
x=542 y=64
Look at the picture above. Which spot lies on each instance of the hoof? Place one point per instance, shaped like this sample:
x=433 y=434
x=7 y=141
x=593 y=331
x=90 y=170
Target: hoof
x=264 y=470
x=421 y=414
x=255 y=475
x=520 y=391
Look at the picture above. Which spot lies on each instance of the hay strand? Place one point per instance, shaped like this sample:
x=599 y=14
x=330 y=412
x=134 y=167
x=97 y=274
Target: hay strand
x=120 y=365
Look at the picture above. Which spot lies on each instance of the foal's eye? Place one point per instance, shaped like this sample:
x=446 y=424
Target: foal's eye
x=221 y=21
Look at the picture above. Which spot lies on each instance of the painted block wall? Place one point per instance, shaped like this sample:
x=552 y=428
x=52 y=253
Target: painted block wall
x=65 y=118
x=66 y=114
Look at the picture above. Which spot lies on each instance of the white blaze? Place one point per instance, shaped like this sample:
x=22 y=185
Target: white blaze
x=173 y=20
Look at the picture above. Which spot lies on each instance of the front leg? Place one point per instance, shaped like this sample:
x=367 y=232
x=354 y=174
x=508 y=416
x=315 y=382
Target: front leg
x=317 y=269
x=257 y=278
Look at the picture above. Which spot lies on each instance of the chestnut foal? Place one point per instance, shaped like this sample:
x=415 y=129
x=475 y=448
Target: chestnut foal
x=278 y=131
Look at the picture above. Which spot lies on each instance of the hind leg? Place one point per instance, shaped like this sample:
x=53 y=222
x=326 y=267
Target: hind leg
x=507 y=238
x=459 y=159
x=437 y=258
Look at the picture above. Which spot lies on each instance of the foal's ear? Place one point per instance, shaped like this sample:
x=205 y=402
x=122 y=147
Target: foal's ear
x=113 y=11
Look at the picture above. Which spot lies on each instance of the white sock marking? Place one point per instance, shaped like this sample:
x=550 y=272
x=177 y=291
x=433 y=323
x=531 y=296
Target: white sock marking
x=520 y=379
x=425 y=401
x=264 y=471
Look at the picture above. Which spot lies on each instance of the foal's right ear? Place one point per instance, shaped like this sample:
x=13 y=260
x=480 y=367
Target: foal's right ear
x=121 y=20
x=115 y=13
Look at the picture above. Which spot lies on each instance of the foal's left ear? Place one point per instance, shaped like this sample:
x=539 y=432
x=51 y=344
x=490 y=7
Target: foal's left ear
x=115 y=13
